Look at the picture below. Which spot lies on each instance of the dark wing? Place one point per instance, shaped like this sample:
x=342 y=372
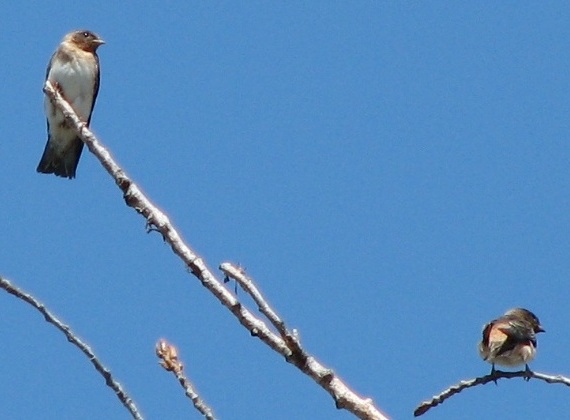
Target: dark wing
x=517 y=332
x=49 y=63
x=95 y=86
x=486 y=334
x=47 y=75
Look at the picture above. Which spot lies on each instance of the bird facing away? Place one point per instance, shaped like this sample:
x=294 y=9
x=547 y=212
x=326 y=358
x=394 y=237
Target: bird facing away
x=74 y=71
x=511 y=339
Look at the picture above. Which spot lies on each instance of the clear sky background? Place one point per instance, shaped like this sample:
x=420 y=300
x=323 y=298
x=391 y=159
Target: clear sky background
x=392 y=174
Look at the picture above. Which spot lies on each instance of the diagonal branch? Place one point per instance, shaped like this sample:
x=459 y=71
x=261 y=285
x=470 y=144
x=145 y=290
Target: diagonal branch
x=73 y=339
x=156 y=220
x=492 y=377
x=298 y=355
x=238 y=274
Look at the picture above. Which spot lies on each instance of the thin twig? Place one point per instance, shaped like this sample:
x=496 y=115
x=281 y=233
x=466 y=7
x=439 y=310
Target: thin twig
x=246 y=283
x=291 y=338
x=170 y=362
x=492 y=377
x=343 y=396
x=72 y=338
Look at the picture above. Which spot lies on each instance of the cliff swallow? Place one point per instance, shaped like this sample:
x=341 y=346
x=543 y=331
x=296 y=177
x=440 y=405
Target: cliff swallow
x=74 y=71
x=511 y=339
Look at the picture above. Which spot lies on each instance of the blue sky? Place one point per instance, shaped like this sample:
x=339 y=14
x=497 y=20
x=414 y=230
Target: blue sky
x=393 y=175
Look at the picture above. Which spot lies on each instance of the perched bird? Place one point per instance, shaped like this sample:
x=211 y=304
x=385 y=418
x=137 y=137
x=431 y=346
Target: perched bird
x=74 y=71
x=511 y=339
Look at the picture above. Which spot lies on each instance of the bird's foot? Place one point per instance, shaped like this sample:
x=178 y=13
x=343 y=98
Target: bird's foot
x=527 y=372
x=494 y=374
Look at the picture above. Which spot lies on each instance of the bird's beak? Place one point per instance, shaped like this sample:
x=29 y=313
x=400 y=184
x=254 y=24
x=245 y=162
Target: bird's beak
x=540 y=329
x=98 y=41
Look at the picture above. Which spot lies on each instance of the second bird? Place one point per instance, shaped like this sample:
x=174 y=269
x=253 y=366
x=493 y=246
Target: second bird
x=74 y=71
x=511 y=339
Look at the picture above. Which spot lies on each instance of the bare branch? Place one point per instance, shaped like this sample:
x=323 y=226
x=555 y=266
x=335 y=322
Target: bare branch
x=344 y=397
x=170 y=362
x=291 y=338
x=492 y=377
x=238 y=274
x=73 y=339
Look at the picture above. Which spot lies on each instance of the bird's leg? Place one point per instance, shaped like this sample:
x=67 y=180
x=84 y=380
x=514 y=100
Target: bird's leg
x=528 y=373
x=57 y=87
x=494 y=373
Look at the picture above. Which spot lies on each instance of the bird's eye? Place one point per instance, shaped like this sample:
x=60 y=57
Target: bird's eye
x=85 y=34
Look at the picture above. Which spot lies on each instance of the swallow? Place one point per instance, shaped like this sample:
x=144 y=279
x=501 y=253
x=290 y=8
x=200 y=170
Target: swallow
x=74 y=71
x=511 y=339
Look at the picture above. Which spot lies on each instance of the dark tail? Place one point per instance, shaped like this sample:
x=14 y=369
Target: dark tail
x=61 y=162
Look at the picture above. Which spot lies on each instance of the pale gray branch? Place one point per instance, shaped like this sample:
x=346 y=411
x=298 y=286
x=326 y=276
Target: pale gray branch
x=238 y=274
x=156 y=220
x=73 y=339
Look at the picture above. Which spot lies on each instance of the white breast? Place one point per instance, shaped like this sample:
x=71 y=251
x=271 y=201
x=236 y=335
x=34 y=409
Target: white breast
x=76 y=79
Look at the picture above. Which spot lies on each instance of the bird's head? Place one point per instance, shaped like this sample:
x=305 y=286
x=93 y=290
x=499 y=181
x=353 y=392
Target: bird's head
x=86 y=40
x=527 y=316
